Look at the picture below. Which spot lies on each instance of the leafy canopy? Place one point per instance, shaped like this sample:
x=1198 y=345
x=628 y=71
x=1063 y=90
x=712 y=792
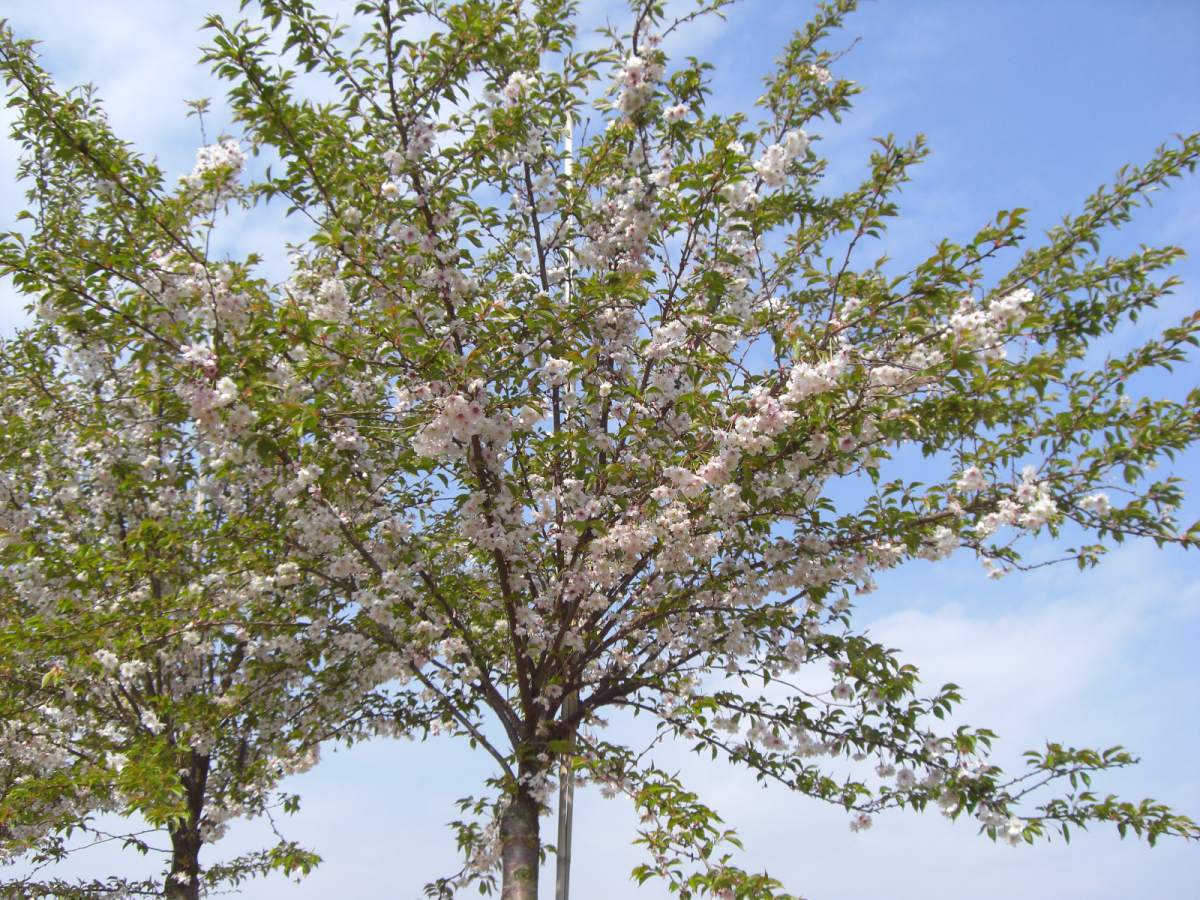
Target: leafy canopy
x=579 y=397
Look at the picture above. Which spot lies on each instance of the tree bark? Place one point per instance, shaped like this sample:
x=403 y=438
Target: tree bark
x=183 y=881
x=519 y=846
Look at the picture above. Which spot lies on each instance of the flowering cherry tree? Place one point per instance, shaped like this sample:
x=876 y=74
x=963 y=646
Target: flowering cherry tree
x=159 y=657
x=581 y=398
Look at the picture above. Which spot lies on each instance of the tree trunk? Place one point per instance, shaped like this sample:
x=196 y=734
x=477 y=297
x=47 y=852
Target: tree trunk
x=183 y=882
x=519 y=848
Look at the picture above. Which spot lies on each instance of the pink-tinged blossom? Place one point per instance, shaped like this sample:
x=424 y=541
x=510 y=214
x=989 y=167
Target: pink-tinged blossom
x=116 y=761
x=888 y=376
x=332 y=303
x=151 y=721
x=555 y=371
x=637 y=79
x=772 y=165
x=666 y=337
x=516 y=87
x=421 y=136
x=1007 y=512
x=820 y=73
x=200 y=355
x=969 y=325
x=1041 y=511
x=404 y=232
x=217 y=168
x=226 y=392
x=458 y=420
x=739 y=195
x=684 y=481
x=287 y=574
x=134 y=668
x=394 y=160
x=528 y=416
x=675 y=113
x=307 y=475
x=1014 y=830
x=1010 y=309
x=971 y=480
x=940 y=544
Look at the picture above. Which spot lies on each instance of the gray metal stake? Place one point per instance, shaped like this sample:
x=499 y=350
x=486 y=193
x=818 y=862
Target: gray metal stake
x=566 y=808
x=566 y=769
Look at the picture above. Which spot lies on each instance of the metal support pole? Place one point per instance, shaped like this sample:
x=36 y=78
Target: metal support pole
x=566 y=768
x=566 y=808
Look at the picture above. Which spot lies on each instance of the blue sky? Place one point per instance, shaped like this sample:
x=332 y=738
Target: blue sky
x=1024 y=103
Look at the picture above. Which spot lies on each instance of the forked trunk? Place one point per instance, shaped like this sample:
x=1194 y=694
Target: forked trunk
x=519 y=848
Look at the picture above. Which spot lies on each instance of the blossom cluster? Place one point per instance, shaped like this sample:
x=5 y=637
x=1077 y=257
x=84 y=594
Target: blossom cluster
x=640 y=74
x=216 y=171
x=772 y=165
